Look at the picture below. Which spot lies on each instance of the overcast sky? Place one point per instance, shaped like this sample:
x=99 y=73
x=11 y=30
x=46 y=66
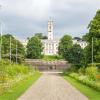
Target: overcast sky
x=23 y=18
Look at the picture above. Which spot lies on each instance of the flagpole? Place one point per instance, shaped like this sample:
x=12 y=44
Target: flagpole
x=0 y=42
x=16 y=52
x=92 y=52
x=10 y=49
x=0 y=38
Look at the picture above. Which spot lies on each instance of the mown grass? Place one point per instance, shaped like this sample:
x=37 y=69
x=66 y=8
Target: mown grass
x=88 y=91
x=20 y=88
x=51 y=57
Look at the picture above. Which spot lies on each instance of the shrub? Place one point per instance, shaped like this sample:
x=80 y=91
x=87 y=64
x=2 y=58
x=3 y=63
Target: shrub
x=10 y=71
x=74 y=75
x=22 y=69
x=86 y=80
x=81 y=71
x=10 y=74
x=91 y=72
x=97 y=85
x=20 y=58
x=82 y=77
x=73 y=68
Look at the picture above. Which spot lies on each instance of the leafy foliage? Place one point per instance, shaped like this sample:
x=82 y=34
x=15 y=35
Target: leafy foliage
x=86 y=80
x=64 y=46
x=72 y=53
x=86 y=90
x=40 y=36
x=34 y=48
x=20 y=57
x=10 y=74
x=94 y=32
x=75 y=55
x=6 y=48
x=92 y=72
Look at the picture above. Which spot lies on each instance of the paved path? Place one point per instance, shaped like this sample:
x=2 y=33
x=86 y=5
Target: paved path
x=51 y=86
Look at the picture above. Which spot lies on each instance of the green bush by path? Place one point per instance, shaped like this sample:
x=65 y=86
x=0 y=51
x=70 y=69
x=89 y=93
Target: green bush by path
x=88 y=91
x=91 y=72
x=20 y=88
x=89 y=76
x=11 y=74
x=86 y=80
x=10 y=71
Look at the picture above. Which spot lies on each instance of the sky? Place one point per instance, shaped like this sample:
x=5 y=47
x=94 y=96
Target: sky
x=24 y=18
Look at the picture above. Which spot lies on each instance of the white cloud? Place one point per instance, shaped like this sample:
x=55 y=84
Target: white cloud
x=26 y=8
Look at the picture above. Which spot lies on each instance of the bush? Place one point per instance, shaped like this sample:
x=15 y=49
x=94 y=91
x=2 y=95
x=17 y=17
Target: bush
x=87 y=76
x=86 y=80
x=73 y=68
x=20 y=58
x=91 y=72
x=74 y=75
x=81 y=71
x=10 y=74
x=10 y=71
x=82 y=78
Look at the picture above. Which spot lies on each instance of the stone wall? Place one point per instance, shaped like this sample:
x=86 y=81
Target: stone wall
x=48 y=65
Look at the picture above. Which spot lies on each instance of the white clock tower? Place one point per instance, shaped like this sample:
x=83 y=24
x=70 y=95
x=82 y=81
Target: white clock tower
x=50 y=45
x=50 y=30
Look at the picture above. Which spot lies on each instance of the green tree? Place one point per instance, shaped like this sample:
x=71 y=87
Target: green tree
x=6 y=48
x=40 y=36
x=44 y=37
x=76 y=55
x=84 y=37
x=34 y=48
x=64 y=45
x=94 y=32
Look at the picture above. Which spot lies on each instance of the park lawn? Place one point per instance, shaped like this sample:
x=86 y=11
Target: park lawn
x=87 y=91
x=15 y=92
x=51 y=57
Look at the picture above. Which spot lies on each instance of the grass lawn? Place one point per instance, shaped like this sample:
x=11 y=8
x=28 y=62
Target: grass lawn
x=88 y=91
x=51 y=58
x=15 y=92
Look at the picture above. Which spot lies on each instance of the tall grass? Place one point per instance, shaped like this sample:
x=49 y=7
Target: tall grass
x=11 y=74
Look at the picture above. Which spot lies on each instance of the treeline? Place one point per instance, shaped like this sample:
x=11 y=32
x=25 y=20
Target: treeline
x=91 y=53
x=72 y=53
x=10 y=46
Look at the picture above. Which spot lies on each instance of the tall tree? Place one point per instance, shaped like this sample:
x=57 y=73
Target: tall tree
x=40 y=36
x=34 y=48
x=64 y=45
x=6 y=48
x=76 y=55
x=94 y=32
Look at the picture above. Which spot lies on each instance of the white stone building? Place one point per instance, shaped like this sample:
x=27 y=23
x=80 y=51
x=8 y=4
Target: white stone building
x=83 y=44
x=50 y=45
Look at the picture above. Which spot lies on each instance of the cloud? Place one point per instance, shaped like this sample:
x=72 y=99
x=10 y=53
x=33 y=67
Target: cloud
x=23 y=18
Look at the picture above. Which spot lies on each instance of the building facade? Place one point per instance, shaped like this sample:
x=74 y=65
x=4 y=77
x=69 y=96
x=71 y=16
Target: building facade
x=50 y=45
x=83 y=44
